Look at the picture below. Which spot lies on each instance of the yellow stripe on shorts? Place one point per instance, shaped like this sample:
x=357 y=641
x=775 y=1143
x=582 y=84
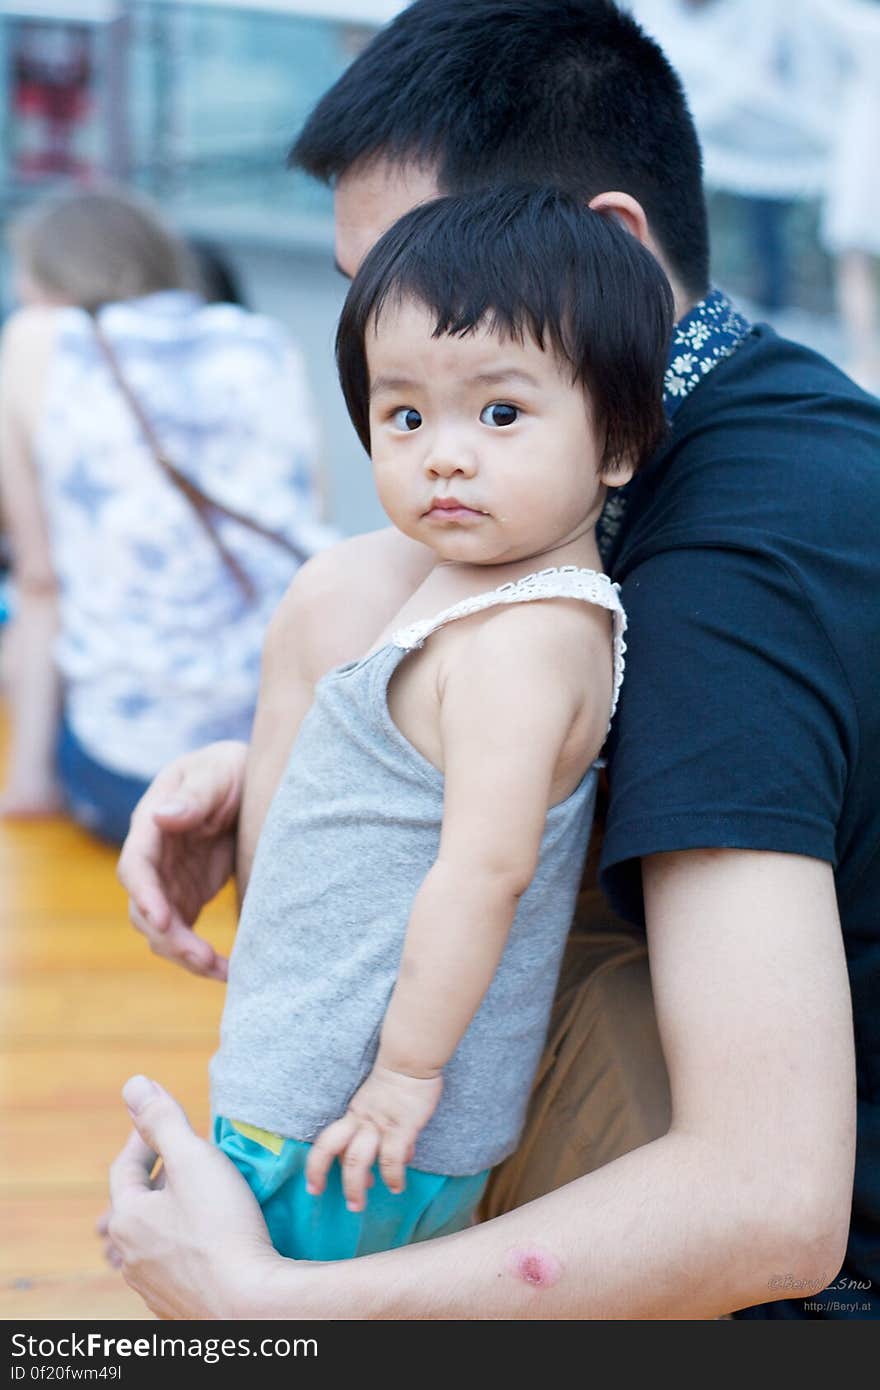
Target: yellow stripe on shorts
x=273 y=1142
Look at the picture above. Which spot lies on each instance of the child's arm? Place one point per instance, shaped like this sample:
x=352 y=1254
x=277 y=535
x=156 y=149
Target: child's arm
x=504 y=717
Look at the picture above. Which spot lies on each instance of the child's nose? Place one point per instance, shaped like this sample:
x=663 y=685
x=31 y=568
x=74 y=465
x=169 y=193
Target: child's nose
x=449 y=454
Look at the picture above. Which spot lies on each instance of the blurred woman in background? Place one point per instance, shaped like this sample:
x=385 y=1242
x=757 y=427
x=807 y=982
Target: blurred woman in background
x=158 y=477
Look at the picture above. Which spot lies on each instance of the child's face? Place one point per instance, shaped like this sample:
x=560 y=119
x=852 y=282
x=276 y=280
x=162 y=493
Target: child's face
x=490 y=424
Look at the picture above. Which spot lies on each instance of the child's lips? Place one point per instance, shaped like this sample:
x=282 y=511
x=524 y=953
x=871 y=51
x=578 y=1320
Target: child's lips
x=450 y=509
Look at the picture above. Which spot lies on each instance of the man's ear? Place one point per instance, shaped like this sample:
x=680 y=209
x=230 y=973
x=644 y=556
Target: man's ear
x=623 y=208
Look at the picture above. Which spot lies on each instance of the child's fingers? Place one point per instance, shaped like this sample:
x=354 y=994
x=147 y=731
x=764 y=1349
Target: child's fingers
x=357 y=1161
x=330 y=1142
x=393 y=1158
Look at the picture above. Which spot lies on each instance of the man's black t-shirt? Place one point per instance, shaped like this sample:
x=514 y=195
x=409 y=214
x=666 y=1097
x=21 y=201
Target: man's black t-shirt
x=749 y=562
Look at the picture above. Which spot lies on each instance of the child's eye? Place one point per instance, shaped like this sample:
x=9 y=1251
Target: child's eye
x=407 y=418
x=499 y=414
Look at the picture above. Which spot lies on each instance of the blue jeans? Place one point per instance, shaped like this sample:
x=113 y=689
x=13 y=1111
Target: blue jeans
x=98 y=798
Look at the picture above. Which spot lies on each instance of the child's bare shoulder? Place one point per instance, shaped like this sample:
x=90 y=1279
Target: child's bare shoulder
x=562 y=641
x=536 y=676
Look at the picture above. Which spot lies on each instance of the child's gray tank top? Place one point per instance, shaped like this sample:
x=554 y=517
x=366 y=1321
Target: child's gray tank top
x=351 y=833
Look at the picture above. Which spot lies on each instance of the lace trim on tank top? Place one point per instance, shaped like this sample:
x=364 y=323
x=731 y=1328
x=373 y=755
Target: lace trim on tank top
x=562 y=581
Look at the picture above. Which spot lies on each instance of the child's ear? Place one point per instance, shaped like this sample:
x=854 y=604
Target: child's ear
x=617 y=472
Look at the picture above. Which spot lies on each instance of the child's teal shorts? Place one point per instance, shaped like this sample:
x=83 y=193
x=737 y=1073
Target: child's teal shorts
x=322 y=1228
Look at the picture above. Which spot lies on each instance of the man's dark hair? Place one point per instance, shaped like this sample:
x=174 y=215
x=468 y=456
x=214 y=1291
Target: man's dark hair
x=564 y=92
x=526 y=262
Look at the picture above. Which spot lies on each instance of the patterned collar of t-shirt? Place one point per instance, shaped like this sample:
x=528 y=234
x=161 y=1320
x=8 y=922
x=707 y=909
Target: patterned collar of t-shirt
x=708 y=334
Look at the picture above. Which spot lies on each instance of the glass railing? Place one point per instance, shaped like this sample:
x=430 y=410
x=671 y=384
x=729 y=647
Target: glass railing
x=196 y=101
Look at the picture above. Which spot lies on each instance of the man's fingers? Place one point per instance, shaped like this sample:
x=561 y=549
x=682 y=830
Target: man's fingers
x=200 y=801
x=134 y=1169
x=357 y=1161
x=137 y=871
x=138 y=919
x=180 y=945
x=184 y=947
x=148 y=908
x=218 y=969
x=130 y=1170
x=180 y=813
x=161 y=1129
x=174 y=803
x=109 y=1250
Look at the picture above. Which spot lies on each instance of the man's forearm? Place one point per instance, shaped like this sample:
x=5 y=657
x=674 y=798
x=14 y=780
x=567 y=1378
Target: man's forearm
x=675 y=1229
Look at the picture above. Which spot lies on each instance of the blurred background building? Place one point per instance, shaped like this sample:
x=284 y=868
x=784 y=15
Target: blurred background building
x=196 y=102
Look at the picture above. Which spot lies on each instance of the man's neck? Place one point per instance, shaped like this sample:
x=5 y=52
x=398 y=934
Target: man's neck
x=683 y=301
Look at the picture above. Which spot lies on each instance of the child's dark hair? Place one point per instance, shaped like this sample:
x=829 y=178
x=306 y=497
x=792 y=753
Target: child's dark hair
x=565 y=92
x=526 y=261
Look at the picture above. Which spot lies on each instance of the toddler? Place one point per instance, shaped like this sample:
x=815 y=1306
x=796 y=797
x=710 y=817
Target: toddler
x=502 y=358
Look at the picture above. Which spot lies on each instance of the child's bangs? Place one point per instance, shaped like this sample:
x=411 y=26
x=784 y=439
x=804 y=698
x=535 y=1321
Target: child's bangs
x=466 y=305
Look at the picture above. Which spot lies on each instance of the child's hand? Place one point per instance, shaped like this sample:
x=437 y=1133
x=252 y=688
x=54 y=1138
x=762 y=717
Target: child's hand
x=383 y=1120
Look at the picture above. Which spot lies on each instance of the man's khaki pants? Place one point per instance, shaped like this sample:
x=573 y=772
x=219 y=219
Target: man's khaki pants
x=601 y=1089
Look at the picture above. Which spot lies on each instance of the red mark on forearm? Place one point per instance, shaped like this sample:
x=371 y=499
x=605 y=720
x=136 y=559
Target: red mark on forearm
x=534 y=1266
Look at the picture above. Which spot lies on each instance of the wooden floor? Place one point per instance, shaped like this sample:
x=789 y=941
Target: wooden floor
x=83 y=1005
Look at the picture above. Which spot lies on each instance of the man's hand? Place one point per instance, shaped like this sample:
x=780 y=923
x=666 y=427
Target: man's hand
x=383 y=1120
x=184 y=839
x=180 y=850
x=194 y=1246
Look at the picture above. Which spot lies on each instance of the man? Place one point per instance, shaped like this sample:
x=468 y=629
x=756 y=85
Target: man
x=744 y=817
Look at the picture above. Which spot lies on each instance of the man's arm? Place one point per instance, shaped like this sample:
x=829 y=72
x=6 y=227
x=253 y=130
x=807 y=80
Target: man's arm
x=754 y=1179
x=752 y=1182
